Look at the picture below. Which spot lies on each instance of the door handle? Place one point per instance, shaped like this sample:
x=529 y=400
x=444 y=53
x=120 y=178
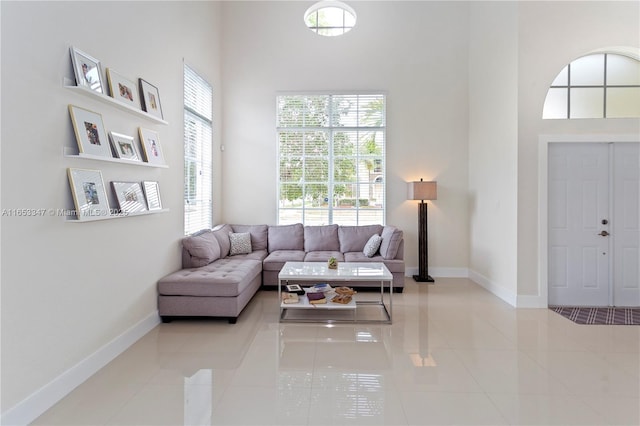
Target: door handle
x=604 y=234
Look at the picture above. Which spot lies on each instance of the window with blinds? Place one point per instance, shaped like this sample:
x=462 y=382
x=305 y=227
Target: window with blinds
x=331 y=158
x=198 y=134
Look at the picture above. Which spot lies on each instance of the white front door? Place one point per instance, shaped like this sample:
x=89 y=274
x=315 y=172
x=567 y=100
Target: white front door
x=594 y=215
x=578 y=209
x=626 y=226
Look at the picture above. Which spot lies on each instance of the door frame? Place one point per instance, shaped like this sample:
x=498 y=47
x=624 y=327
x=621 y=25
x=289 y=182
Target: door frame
x=543 y=196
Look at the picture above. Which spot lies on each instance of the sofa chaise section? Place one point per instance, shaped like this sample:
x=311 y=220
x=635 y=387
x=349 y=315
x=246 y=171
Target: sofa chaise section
x=214 y=282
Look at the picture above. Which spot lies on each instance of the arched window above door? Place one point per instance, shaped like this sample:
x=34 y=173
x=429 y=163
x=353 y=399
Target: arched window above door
x=602 y=84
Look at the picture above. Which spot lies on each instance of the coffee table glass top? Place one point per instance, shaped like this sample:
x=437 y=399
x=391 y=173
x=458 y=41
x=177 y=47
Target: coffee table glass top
x=350 y=271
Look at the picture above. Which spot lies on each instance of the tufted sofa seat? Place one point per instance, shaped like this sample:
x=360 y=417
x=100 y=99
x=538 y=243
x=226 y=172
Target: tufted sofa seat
x=221 y=273
x=229 y=275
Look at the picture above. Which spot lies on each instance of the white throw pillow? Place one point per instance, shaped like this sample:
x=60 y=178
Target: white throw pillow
x=372 y=246
x=240 y=243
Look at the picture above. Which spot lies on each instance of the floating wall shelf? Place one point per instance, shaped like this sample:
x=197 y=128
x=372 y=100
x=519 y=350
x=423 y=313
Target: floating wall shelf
x=73 y=219
x=73 y=153
x=111 y=101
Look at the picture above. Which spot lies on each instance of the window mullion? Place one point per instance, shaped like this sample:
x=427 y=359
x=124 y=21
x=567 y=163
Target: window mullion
x=604 y=84
x=331 y=162
x=330 y=177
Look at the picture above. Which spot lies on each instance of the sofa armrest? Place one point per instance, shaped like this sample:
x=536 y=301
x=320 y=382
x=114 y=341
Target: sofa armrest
x=400 y=253
x=200 y=249
x=392 y=238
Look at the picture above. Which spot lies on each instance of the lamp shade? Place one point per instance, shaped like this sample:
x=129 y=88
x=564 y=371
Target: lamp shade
x=422 y=190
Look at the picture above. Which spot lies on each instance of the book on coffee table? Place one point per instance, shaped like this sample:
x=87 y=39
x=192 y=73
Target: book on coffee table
x=290 y=298
x=316 y=298
x=320 y=287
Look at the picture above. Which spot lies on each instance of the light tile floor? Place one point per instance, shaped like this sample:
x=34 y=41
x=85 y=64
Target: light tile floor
x=455 y=354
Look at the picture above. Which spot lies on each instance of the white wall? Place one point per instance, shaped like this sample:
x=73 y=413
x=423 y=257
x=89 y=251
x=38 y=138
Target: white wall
x=552 y=34
x=493 y=146
x=414 y=51
x=69 y=289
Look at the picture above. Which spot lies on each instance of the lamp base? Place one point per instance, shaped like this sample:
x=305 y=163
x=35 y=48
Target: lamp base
x=426 y=279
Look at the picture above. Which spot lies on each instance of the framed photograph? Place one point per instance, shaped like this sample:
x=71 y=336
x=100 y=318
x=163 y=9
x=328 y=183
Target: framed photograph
x=150 y=99
x=129 y=196
x=124 y=146
x=123 y=89
x=89 y=194
x=87 y=70
x=295 y=288
x=152 y=194
x=151 y=146
x=90 y=133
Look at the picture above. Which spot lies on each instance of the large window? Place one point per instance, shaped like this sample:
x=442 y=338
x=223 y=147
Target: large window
x=331 y=159
x=198 y=134
x=602 y=85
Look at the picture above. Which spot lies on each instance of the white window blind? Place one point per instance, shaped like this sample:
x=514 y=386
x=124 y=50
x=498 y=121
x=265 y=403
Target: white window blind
x=198 y=135
x=331 y=158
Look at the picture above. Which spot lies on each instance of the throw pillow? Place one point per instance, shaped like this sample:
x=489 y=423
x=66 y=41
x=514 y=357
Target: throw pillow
x=222 y=235
x=372 y=246
x=391 y=238
x=240 y=243
x=203 y=248
x=258 y=235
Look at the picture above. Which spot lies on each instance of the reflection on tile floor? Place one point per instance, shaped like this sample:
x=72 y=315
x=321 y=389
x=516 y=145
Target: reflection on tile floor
x=455 y=354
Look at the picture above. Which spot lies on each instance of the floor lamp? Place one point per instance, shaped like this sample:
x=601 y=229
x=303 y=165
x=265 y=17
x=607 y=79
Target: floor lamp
x=423 y=191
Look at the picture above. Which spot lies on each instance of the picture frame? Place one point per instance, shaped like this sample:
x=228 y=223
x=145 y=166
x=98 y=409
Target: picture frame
x=295 y=288
x=123 y=89
x=90 y=133
x=87 y=70
x=150 y=99
x=150 y=141
x=89 y=193
x=129 y=197
x=152 y=195
x=124 y=146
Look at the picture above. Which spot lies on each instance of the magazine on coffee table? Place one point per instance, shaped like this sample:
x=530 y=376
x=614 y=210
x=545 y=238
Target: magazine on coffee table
x=326 y=300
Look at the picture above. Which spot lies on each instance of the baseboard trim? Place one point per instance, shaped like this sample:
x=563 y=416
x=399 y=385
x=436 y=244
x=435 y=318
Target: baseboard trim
x=47 y=396
x=501 y=292
x=441 y=272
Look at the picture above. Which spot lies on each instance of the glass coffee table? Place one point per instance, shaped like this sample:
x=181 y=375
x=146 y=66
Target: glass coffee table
x=360 y=309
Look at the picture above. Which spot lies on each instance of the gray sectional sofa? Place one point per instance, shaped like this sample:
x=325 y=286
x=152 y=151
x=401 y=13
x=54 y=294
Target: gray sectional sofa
x=223 y=268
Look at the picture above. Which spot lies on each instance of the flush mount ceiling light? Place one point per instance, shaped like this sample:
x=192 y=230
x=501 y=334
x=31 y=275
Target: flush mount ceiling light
x=330 y=18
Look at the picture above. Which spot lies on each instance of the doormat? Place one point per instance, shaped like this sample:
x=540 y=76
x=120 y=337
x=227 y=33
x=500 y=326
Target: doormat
x=606 y=316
